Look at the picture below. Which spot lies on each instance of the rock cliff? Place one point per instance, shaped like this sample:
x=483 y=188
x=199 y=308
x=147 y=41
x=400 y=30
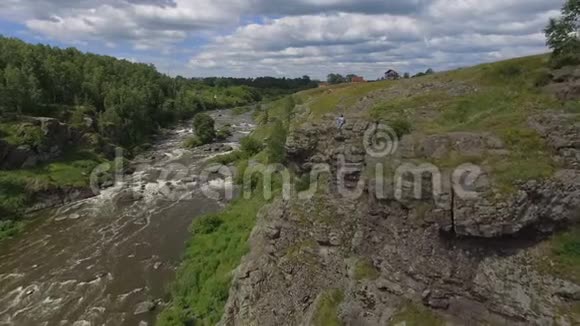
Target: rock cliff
x=467 y=259
x=53 y=139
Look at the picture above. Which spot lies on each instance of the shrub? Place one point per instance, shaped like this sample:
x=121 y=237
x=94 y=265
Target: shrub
x=204 y=128
x=563 y=60
x=30 y=135
x=9 y=228
x=509 y=70
x=207 y=224
x=401 y=126
x=302 y=183
x=276 y=144
x=572 y=106
x=251 y=146
x=224 y=134
x=542 y=78
x=241 y=171
x=192 y=142
x=229 y=158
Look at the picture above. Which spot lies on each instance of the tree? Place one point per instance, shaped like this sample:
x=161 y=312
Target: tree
x=204 y=128
x=3 y=94
x=336 y=79
x=350 y=77
x=406 y=75
x=429 y=71
x=16 y=88
x=130 y=100
x=563 y=33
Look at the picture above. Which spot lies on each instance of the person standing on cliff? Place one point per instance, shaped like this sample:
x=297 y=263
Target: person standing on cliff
x=340 y=122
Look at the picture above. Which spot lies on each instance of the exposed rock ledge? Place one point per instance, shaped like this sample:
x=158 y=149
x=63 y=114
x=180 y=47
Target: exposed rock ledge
x=472 y=261
x=53 y=198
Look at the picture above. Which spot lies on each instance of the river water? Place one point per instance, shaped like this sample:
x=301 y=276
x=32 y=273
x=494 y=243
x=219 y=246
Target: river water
x=101 y=260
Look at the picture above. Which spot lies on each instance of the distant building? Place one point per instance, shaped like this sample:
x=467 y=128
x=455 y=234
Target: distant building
x=358 y=79
x=392 y=75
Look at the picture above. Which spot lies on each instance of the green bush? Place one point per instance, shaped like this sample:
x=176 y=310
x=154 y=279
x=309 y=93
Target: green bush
x=9 y=228
x=509 y=70
x=542 y=78
x=204 y=128
x=572 y=106
x=401 y=126
x=229 y=158
x=563 y=60
x=224 y=134
x=207 y=224
x=276 y=144
x=302 y=183
x=251 y=146
x=192 y=142
x=241 y=168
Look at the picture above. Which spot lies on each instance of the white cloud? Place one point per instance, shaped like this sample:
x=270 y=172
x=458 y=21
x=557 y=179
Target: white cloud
x=307 y=37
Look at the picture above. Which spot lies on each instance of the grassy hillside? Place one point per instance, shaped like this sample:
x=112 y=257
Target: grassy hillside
x=219 y=241
x=497 y=98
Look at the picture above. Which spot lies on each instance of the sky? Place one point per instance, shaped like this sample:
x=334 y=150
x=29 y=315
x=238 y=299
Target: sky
x=250 y=38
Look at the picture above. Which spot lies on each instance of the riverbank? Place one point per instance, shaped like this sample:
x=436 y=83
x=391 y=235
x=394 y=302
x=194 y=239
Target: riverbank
x=108 y=259
x=219 y=241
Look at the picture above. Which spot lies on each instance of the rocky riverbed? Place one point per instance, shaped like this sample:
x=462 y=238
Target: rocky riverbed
x=108 y=260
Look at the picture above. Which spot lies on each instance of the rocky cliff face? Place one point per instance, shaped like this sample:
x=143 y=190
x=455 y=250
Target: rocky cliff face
x=466 y=259
x=55 y=138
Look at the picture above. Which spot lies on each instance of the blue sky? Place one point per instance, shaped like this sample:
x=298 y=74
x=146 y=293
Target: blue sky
x=287 y=38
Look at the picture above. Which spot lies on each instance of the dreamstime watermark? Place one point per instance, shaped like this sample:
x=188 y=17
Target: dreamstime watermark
x=346 y=175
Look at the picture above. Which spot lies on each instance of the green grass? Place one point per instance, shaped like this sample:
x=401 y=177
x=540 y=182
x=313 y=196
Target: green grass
x=10 y=228
x=504 y=95
x=327 y=310
x=216 y=248
x=326 y=100
x=563 y=256
x=219 y=241
x=365 y=270
x=17 y=187
x=416 y=315
x=19 y=134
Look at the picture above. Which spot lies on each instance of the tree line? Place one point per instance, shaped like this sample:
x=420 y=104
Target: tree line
x=128 y=101
x=335 y=79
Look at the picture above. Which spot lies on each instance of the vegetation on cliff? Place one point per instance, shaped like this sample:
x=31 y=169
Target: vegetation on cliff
x=219 y=241
x=497 y=98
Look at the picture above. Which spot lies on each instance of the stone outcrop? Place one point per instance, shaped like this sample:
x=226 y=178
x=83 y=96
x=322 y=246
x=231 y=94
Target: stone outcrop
x=565 y=83
x=538 y=206
x=55 y=138
x=471 y=260
x=56 y=197
x=561 y=132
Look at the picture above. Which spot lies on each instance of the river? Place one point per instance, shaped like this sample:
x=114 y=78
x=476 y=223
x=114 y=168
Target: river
x=108 y=260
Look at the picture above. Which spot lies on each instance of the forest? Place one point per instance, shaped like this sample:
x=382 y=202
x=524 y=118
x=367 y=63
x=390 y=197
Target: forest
x=63 y=112
x=128 y=101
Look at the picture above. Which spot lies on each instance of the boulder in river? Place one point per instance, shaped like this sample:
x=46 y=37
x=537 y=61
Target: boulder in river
x=145 y=307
